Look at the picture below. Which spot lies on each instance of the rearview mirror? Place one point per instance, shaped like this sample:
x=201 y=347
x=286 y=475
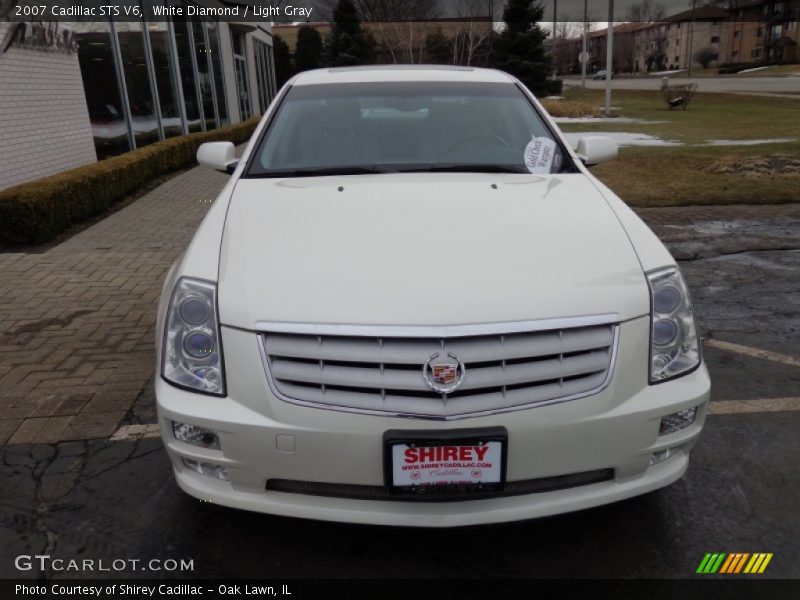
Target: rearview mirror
x=595 y=149
x=220 y=156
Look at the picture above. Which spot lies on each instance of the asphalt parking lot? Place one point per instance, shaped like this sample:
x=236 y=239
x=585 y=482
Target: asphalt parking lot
x=91 y=497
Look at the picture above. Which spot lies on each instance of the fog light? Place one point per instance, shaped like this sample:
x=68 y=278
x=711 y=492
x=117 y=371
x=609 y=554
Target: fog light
x=195 y=435
x=677 y=421
x=207 y=469
x=661 y=456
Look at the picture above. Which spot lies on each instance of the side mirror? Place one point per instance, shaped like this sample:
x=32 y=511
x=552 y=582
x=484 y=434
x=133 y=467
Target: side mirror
x=220 y=156
x=593 y=150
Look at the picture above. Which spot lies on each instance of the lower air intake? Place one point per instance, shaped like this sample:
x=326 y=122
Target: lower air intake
x=439 y=494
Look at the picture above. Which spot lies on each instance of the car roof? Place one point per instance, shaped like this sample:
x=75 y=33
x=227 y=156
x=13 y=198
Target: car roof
x=399 y=73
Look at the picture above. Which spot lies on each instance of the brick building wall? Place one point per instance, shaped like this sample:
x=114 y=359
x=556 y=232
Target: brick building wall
x=703 y=34
x=44 y=120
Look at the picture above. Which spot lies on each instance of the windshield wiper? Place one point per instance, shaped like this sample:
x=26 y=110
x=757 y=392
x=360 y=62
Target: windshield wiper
x=465 y=168
x=325 y=171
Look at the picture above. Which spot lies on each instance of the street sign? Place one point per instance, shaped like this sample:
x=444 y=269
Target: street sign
x=583 y=57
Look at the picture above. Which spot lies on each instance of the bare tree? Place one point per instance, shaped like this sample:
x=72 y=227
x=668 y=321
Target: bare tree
x=646 y=11
x=567 y=44
x=625 y=50
x=473 y=32
x=402 y=28
x=655 y=50
x=395 y=26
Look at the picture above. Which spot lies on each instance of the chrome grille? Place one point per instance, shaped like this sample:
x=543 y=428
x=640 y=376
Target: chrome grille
x=383 y=374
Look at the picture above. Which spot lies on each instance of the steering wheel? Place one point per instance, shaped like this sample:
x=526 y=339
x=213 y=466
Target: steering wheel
x=491 y=137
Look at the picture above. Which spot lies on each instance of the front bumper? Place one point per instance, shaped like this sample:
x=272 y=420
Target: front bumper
x=265 y=438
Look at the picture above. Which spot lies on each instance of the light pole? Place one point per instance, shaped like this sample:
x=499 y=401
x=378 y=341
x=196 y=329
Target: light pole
x=555 y=17
x=555 y=31
x=609 y=56
x=585 y=54
x=691 y=39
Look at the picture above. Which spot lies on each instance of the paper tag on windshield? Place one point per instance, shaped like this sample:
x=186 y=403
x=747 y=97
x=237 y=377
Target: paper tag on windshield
x=539 y=154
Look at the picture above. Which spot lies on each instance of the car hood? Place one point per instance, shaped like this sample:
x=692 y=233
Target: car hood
x=424 y=249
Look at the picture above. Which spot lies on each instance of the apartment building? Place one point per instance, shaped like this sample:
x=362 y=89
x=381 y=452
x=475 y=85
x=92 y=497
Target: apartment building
x=765 y=31
x=692 y=33
x=753 y=31
x=567 y=52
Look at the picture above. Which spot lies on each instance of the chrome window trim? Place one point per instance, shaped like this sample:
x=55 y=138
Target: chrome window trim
x=193 y=55
x=211 y=75
x=436 y=331
x=178 y=82
x=151 y=72
x=465 y=330
x=119 y=68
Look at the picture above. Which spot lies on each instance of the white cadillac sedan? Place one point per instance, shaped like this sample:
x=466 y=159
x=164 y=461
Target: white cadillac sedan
x=412 y=304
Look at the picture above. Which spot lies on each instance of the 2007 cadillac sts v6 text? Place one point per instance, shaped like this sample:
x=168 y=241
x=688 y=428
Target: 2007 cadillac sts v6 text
x=412 y=304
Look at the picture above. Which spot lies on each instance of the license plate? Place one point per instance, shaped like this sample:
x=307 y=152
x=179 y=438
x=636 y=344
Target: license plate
x=458 y=459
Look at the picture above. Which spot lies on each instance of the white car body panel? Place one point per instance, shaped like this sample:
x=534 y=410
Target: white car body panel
x=555 y=250
x=404 y=250
x=652 y=253
x=617 y=427
x=401 y=73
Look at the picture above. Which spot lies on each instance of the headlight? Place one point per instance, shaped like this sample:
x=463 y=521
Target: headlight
x=192 y=355
x=674 y=346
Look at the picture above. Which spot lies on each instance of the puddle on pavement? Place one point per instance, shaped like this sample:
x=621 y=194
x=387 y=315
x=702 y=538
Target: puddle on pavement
x=785 y=228
x=725 y=237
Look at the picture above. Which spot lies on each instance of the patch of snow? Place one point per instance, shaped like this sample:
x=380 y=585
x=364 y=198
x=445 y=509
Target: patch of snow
x=626 y=120
x=747 y=142
x=753 y=70
x=656 y=74
x=554 y=97
x=622 y=138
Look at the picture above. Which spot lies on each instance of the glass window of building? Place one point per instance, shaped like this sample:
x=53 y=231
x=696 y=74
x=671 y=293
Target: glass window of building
x=166 y=75
x=204 y=76
x=272 y=80
x=240 y=74
x=100 y=83
x=264 y=73
x=183 y=42
x=137 y=82
x=216 y=64
x=148 y=80
x=261 y=80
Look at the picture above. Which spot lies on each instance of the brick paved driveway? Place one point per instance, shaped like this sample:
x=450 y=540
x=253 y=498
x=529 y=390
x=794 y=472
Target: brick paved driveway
x=76 y=322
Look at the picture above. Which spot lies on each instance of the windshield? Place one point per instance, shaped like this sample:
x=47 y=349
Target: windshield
x=358 y=128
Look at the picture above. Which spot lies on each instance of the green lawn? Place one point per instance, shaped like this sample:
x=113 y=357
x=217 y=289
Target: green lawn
x=695 y=174
x=709 y=116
